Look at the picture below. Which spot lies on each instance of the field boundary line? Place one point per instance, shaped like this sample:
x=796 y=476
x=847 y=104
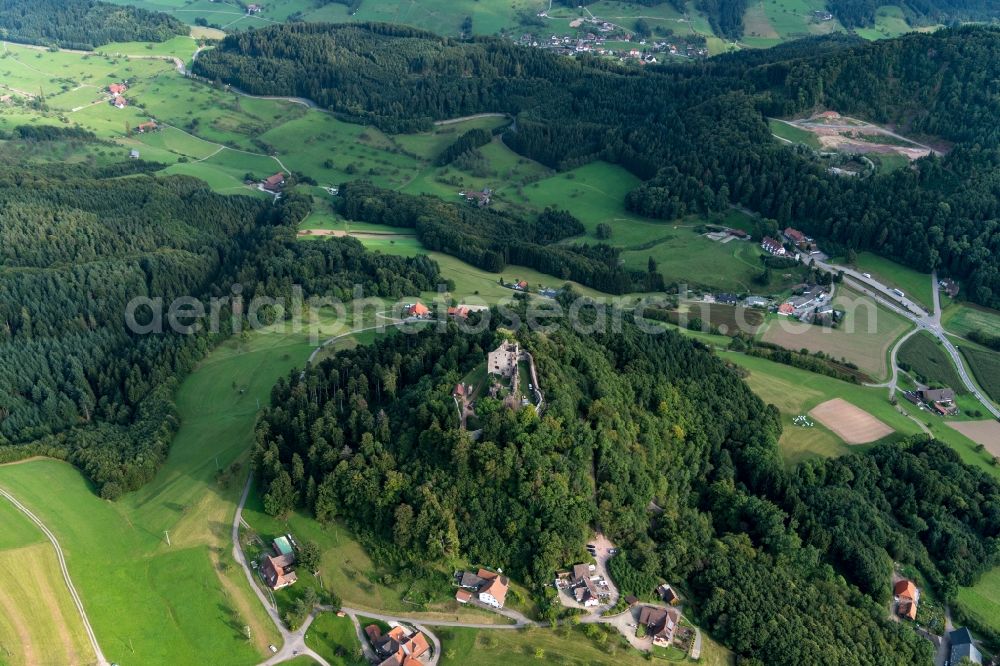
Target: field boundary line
x=65 y=573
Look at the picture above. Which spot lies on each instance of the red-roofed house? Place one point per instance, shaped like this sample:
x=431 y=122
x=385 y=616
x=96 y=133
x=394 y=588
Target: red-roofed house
x=117 y=89
x=494 y=592
x=786 y=309
x=462 y=312
x=463 y=596
x=398 y=648
x=148 y=126
x=120 y=102
x=795 y=236
x=418 y=309
x=907 y=597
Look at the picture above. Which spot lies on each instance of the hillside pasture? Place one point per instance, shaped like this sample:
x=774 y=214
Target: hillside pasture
x=982 y=600
x=863 y=337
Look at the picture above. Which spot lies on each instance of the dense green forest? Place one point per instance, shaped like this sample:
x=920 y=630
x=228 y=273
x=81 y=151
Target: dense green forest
x=491 y=239
x=788 y=567
x=696 y=133
x=75 y=249
x=83 y=24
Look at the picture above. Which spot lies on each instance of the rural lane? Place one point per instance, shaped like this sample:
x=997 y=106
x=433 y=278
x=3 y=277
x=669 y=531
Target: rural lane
x=926 y=321
x=101 y=660
x=293 y=643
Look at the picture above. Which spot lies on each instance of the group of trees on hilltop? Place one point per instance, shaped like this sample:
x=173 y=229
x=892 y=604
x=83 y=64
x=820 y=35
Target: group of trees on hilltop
x=83 y=24
x=491 y=239
x=75 y=382
x=787 y=566
x=695 y=133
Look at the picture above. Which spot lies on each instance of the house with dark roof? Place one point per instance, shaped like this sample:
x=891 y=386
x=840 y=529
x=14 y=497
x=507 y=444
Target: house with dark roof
x=937 y=395
x=660 y=623
x=963 y=647
x=727 y=299
x=273 y=183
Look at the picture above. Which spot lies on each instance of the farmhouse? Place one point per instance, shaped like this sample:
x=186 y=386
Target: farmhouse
x=117 y=89
x=907 y=597
x=727 y=299
x=276 y=569
x=937 y=395
x=660 y=623
x=503 y=360
x=490 y=587
x=755 y=302
x=397 y=647
x=418 y=309
x=254 y=9
x=134 y=154
x=963 y=647
x=119 y=102
x=274 y=183
x=148 y=126
x=786 y=309
x=477 y=198
x=795 y=237
x=772 y=246
x=587 y=594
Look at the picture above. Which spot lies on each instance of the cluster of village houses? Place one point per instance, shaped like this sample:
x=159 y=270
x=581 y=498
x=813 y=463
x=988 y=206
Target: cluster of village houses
x=603 y=31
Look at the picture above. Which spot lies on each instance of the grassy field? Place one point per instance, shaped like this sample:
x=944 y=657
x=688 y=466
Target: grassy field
x=35 y=606
x=985 y=367
x=334 y=639
x=963 y=318
x=982 y=600
x=793 y=134
x=924 y=356
x=864 y=337
x=567 y=646
x=186 y=602
x=917 y=286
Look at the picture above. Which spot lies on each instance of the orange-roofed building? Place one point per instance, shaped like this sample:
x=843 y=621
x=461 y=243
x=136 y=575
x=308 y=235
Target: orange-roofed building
x=418 y=309
x=463 y=596
x=907 y=596
x=494 y=593
x=786 y=309
x=117 y=88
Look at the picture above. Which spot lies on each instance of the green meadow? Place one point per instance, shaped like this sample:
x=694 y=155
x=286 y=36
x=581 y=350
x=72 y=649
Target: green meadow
x=917 y=286
x=151 y=602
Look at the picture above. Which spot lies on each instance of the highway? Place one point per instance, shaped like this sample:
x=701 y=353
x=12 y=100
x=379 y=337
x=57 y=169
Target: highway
x=926 y=321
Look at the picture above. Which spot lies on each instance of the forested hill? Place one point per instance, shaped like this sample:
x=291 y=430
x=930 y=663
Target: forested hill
x=371 y=437
x=697 y=133
x=75 y=249
x=83 y=24
x=860 y=13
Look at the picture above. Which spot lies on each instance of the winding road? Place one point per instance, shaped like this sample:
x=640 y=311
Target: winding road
x=101 y=660
x=924 y=321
